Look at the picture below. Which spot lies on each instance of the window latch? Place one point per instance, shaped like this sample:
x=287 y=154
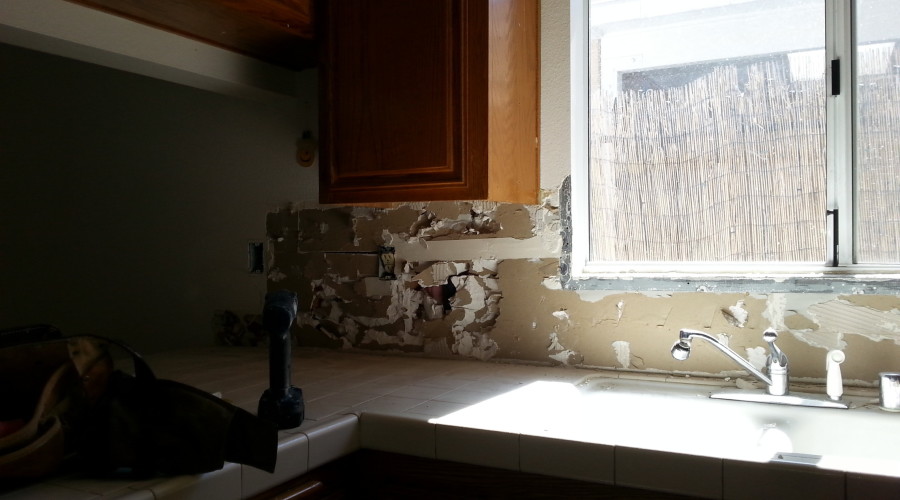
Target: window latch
x=834 y=236
x=835 y=77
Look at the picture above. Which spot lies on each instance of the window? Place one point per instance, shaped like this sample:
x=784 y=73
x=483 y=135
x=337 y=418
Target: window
x=733 y=139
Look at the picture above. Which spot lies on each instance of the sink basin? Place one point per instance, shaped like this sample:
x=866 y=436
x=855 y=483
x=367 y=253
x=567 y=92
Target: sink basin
x=682 y=418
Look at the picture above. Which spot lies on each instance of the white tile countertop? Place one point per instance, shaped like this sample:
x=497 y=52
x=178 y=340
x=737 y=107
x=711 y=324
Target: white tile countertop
x=464 y=411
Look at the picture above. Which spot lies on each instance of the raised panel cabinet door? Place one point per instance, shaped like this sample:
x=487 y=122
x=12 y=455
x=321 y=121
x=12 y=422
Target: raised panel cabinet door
x=405 y=99
x=398 y=104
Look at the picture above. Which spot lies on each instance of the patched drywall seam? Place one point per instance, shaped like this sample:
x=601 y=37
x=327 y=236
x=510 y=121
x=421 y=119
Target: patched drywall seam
x=823 y=321
x=843 y=318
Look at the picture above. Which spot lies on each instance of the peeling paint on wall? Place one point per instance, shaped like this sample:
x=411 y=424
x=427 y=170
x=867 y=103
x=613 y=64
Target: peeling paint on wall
x=723 y=339
x=623 y=353
x=559 y=354
x=546 y=222
x=554 y=343
x=474 y=345
x=439 y=273
x=736 y=314
x=757 y=357
x=568 y=358
x=472 y=308
x=845 y=318
x=776 y=307
x=481 y=280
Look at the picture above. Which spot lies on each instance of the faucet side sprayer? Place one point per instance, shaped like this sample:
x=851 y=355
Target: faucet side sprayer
x=776 y=363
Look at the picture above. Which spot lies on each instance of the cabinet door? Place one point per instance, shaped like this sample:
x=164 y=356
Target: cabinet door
x=404 y=101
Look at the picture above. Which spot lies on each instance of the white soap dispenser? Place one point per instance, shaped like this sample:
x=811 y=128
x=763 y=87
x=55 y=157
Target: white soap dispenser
x=834 y=385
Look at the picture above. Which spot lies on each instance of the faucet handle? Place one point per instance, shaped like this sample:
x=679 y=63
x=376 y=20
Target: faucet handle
x=776 y=355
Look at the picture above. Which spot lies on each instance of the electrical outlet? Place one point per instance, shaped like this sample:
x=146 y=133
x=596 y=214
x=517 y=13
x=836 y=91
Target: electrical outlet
x=386 y=263
x=256 y=257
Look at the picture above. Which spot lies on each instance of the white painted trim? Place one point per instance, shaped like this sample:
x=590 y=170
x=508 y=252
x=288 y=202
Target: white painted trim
x=839 y=126
x=580 y=110
x=69 y=30
x=840 y=44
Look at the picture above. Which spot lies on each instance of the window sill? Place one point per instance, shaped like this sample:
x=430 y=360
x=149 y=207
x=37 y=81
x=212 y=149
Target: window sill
x=839 y=281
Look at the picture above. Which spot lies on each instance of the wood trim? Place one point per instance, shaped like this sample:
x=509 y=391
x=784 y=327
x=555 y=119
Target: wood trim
x=449 y=165
x=276 y=31
x=514 y=151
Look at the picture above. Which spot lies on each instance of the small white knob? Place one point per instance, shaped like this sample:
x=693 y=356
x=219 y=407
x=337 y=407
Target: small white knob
x=834 y=384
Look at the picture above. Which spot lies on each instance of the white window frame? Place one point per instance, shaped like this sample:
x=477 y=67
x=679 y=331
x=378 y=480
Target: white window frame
x=830 y=277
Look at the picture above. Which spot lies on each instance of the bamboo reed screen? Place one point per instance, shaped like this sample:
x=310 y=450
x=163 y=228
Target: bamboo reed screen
x=878 y=156
x=731 y=167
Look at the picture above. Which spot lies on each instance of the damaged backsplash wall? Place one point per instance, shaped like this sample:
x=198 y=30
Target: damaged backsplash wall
x=479 y=280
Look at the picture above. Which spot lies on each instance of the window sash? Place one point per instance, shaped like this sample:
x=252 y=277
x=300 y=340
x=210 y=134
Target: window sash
x=840 y=264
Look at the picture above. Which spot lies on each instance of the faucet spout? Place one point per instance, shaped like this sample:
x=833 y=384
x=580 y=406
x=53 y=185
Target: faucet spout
x=777 y=379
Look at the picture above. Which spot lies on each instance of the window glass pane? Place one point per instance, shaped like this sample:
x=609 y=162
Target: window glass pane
x=707 y=130
x=878 y=131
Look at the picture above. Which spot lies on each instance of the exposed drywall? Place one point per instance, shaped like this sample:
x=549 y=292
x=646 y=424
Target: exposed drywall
x=488 y=305
x=440 y=307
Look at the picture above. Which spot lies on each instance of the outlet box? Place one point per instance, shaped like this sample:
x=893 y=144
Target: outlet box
x=256 y=257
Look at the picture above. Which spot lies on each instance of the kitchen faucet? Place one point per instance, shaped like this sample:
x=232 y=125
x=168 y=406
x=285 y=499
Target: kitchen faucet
x=776 y=363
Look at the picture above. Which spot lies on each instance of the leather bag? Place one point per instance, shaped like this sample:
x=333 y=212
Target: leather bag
x=62 y=398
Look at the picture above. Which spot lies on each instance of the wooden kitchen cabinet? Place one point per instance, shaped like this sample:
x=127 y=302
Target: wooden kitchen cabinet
x=428 y=100
x=277 y=31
